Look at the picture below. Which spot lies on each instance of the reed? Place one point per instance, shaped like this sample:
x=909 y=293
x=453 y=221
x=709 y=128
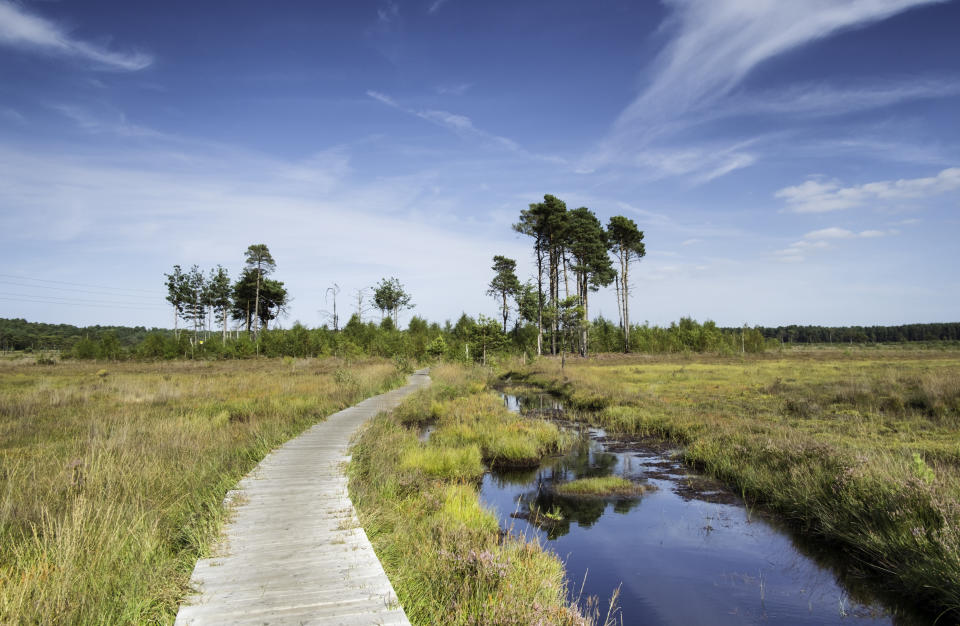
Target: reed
x=112 y=476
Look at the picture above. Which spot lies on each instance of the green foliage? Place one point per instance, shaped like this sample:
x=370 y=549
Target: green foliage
x=113 y=477
x=437 y=348
x=857 y=447
x=443 y=550
x=391 y=298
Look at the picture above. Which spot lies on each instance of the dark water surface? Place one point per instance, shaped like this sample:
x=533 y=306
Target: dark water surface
x=687 y=552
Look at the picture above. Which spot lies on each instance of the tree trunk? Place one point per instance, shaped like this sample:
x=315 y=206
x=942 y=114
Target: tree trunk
x=505 y=312
x=586 y=318
x=626 y=304
x=539 y=252
x=256 y=302
x=619 y=303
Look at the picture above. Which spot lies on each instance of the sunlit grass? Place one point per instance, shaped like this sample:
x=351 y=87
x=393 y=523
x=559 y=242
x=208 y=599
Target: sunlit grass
x=444 y=553
x=601 y=486
x=112 y=476
x=859 y=447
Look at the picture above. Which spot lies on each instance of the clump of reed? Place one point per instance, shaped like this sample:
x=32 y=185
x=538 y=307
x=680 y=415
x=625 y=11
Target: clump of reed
x=601 y=486
x=445 y=554
x=859 y=448
x=111 y=482
x=504 y=438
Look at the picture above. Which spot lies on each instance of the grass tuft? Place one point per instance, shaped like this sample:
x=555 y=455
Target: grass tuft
x=111 y=483
x=602 y=486
x=860 y=448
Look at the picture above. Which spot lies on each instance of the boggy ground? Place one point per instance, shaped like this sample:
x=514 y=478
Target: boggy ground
x=112 y=474
x=444 y=553
x=860 y=447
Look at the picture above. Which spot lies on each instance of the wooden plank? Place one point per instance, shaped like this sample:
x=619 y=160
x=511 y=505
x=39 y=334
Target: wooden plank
x=292 y=552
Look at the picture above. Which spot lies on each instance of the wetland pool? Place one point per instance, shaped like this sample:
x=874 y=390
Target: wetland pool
x=686 y=551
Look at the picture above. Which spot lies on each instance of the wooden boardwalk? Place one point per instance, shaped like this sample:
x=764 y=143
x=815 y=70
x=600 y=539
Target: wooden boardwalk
x=293 y=552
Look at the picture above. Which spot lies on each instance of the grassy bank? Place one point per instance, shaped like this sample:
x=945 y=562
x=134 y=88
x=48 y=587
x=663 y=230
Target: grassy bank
x=860 y=448
x=418 y=501
x=112 y=476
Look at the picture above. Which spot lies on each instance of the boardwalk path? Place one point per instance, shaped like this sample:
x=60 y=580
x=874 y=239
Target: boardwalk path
x=293 y=552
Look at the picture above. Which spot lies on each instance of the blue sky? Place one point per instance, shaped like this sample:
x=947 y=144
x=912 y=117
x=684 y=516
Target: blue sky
x=789 y=162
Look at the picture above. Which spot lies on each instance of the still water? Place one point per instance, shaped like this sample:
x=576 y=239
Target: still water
x=686 y=552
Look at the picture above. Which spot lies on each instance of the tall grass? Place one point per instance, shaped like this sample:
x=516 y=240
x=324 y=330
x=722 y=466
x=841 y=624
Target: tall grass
x=858 y=447
x=444 y=553
x=112 y=477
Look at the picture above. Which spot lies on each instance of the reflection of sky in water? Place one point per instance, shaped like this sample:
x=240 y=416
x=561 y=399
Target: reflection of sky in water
x=679 y=561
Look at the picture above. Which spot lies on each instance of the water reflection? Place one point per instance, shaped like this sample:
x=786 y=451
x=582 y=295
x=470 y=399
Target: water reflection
x=689 y=552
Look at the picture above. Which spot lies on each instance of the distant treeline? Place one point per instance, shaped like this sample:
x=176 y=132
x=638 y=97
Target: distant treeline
x=949 y=331
x=19 y=334
x=468 y=339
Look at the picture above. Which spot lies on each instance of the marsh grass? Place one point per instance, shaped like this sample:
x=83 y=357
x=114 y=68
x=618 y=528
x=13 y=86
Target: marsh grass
x=112 y=477
x=445 y=554
x=601 y=486
x=860 y=448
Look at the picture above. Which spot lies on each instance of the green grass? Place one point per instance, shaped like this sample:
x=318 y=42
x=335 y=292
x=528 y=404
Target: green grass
x=111 y=481
x=861 y=448
x=444 y=553
x=504 y=438
x=601 y=486
x=459 y=463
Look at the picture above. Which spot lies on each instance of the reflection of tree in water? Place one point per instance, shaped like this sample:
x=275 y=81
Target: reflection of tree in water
x=554 y=513
x=584 y=460
x=506 y=477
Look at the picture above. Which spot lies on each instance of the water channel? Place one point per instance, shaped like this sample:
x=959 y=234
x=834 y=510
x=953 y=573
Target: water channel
x=688 y=551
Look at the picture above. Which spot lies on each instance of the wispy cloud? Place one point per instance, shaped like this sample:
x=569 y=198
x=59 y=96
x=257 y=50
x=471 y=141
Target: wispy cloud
x=823 y=239
x=384 y=98
x=388 y=12
x=714 y=44
x=822 y=99
x=815 y=196
x=463 y=126
x=842 y=233
x=12 y=115
x=115 y=123
x=718 y=42
x=454 y=90
x=435 y=5
x=19 y=29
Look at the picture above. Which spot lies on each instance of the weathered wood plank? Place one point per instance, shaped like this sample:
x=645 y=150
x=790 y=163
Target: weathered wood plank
x=293 y=552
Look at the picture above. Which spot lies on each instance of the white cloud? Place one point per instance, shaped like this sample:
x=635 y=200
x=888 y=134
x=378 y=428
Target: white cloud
x=436 y=6
x=454 y=90
x=463 y=126
x=19 y=29
x=831 y=233
x=718 y=42
x=143 y=208
x=814 y=196
x=701 y=164
x=822 y=99
x=714 y=44
x=376 y=95
x=843 y=233
x=388 y=13
x=823 y=239
x=12 y=115
x=113 y=122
